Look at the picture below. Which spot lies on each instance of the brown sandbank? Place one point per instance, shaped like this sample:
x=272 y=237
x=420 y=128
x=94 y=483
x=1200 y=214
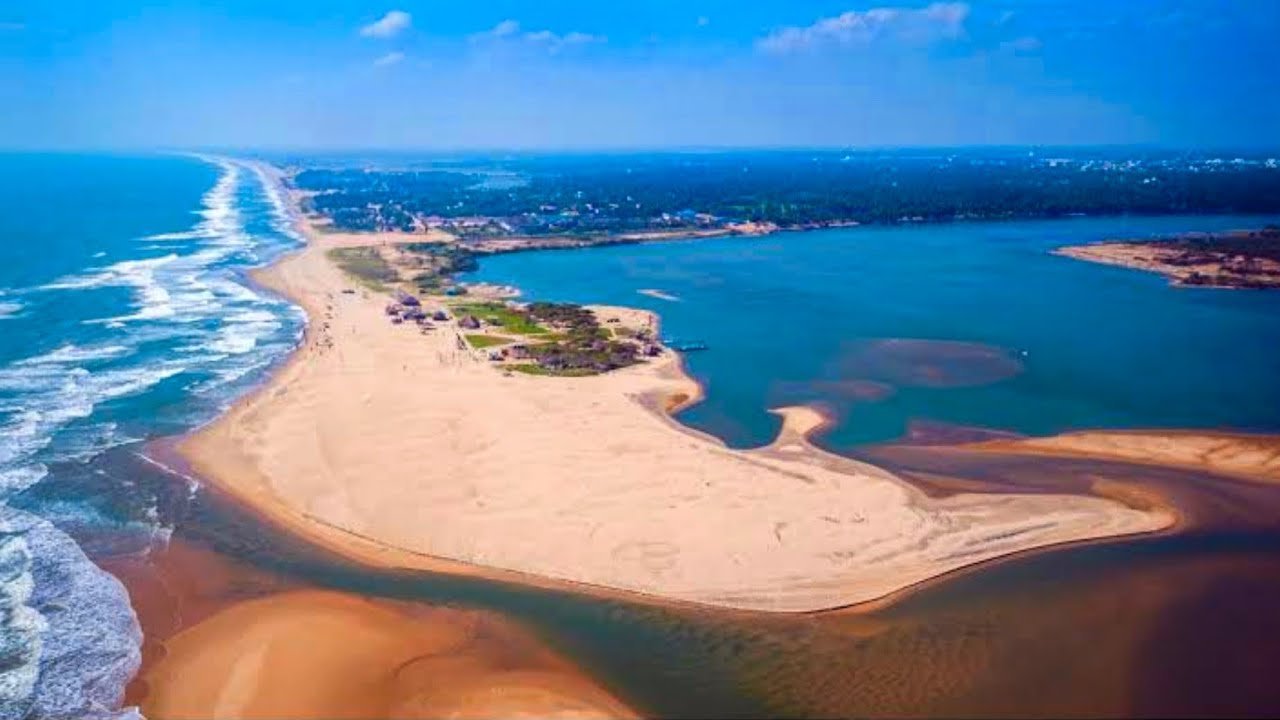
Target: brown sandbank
x=314 y=654
x=1250 y=457
x=226 y=639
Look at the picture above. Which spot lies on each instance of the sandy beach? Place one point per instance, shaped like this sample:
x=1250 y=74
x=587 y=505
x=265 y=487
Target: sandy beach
x=400 y=448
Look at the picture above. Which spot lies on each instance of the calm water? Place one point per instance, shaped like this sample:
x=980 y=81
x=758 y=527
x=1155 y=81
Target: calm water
x=1035 y=343
x=124 y=315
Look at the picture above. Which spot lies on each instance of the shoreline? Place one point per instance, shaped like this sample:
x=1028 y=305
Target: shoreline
x=378 y=528
x=1236 y=260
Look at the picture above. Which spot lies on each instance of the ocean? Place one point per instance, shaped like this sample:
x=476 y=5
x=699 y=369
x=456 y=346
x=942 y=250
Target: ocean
x=125 y=314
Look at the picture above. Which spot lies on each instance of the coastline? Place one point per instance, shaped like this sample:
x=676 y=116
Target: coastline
x=410 y=398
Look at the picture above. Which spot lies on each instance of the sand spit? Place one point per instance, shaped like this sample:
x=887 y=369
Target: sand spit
x=1249 y=457
x=1184 y=266
x=401 y=448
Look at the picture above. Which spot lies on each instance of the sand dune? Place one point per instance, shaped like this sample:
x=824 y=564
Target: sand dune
x=401 y=448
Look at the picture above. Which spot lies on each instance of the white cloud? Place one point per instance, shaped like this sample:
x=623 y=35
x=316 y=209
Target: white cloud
x=939 y=21
x=506 y=28
x=511 y=32
x=389 y=59
x=391 y=24
x=704 y=21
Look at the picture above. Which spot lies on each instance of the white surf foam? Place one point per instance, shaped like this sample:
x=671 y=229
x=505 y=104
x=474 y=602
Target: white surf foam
x=71 y=641
x=72 y=353
x=53 y=396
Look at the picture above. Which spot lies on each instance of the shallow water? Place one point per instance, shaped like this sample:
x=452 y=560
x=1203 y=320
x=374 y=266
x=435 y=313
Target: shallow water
x=972 y=324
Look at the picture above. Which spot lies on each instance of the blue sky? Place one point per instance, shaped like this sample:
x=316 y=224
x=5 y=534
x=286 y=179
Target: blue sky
x=551 y=74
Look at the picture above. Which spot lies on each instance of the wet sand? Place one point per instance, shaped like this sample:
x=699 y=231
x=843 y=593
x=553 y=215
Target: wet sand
x=324 y=654
x=1254 y=457
x=227 y=639
x=400 y=449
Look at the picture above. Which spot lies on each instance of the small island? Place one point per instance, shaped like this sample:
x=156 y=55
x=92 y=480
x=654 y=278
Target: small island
x=1240 y=259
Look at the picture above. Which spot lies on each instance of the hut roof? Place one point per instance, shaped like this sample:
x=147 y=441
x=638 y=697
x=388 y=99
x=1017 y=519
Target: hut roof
x=406 y=299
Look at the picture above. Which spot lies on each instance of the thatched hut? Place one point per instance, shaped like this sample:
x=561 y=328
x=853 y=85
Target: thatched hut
x=407 y=300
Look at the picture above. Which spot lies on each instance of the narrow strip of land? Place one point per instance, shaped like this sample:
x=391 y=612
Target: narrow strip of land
x=1244 y=259
x=1248 y=457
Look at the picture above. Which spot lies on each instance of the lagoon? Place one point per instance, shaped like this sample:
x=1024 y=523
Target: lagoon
x=898 y=329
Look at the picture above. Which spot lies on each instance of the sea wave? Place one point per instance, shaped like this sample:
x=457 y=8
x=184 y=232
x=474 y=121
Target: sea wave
x=69 y=639
x=72 y=353
x=52 y=396
x=190 y=312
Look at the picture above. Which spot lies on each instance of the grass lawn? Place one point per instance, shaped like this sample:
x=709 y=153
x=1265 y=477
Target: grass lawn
x=534 y=369
x=366 y=265
x=481 y=342
x=510 y=320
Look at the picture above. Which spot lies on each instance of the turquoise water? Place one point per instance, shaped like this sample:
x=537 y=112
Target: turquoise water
x=1031 y=342
x=124 y=315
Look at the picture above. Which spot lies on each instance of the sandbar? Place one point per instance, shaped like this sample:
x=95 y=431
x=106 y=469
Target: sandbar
x=1239 y=455
x=321 y=654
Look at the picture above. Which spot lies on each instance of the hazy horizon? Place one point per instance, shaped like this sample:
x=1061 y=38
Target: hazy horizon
x=410 y=151
x=408 y=75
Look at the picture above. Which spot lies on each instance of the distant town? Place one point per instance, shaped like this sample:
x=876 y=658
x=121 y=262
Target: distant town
x=634 y=196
